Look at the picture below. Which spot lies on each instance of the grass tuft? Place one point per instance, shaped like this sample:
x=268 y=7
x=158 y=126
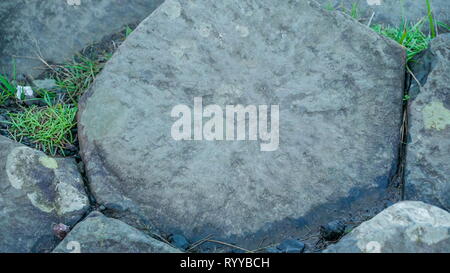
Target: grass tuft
x=411 y=37
x=7 y=89
x=329 y=6
x=76 y=77
x=48 y=128
x=443 y=25
x=354 y=12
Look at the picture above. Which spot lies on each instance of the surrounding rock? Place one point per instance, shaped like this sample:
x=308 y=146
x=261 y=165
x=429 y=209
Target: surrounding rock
x=179 y=241
x=410 y=226
x=291 y=246
x=333 y=230
x=421 y=66
x=392 y=12
x=427 y=175
x=36 y=192
x=56 y=30
x=100 y=234
x=339 y=88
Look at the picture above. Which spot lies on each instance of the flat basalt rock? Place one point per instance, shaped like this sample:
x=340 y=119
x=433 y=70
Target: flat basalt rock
x=427 y=176
x=406 y=227
x=338 y=86
x=37 y=192
x=100 y=234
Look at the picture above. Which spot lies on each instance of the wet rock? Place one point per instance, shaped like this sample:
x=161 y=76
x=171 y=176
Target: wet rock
x=427 y=176
x=100 y=234
x=410 y=226
x=291 y=246
x=392 y=12
x=339 y=121
x=32 y=28
x=36 y=191
x=333 y=230
x=179 y=241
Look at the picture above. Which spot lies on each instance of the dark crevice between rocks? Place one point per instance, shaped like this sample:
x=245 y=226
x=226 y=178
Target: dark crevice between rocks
x=399 y=179
x=416 y=76
x=107 y=45
x=93 y=206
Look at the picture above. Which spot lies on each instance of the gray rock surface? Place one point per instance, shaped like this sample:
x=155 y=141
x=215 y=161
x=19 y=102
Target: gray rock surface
x=428 y=158
x=36 y=192
x=406 y=227
x=57 y=30
x=47 y=84
x=100 y=234
x=338 y=86
x=392 y=12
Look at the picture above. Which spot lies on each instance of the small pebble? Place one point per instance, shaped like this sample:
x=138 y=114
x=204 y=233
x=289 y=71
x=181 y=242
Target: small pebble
x=60 y=230
x=47 y=84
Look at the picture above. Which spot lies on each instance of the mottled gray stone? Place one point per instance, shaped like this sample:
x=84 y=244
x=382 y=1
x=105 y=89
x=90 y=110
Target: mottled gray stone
x=406 y=227
x=392 y=12
x=100 y=234
x=428 y=158
x=47 y=84
x=56 y=30
x=338 y=85
x=36 y=192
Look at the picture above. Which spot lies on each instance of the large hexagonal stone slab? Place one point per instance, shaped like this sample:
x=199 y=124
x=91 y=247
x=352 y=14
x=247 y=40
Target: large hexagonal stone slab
x=338 y=88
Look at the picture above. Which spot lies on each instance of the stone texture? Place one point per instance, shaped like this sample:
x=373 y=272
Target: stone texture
x=410 y=226
x=391 y=12
x=100 y=234
x=291 y=246
x=428 y=162
x=338 y=85
x=36 y=192
x=57 y=30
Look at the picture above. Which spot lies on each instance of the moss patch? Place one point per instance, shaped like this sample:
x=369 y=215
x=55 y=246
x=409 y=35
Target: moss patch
x=436 y=116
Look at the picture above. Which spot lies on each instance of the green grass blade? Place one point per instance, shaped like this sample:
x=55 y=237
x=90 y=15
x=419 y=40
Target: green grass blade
x=431 y=20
